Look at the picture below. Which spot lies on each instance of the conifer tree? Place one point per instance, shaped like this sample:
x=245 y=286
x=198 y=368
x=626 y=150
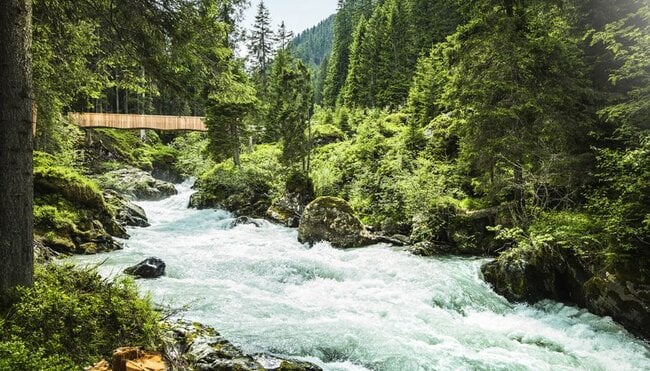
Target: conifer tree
x=261 y=43
x=283 y=37
x=349 y=13
x=290 y=100
x=228 y=107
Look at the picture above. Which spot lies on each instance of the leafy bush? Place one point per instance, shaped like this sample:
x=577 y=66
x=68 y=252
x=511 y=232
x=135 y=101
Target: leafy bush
x=73 y=316
x=246 y=190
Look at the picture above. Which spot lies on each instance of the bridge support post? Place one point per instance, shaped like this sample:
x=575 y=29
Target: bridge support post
x=143 y=135
x=89 y=137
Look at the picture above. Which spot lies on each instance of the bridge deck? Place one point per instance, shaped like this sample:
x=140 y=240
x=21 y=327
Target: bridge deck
x=133 y=121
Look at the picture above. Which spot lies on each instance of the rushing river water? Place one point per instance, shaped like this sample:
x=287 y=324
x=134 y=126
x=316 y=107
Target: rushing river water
x=376 y=308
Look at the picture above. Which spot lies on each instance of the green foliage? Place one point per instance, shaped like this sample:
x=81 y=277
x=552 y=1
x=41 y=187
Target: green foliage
x=290 y=103
x=74 y=317
x=246 y=190
x=229 y=106
x=73 y=186
x=192 y=158
x=345 y=23
x=16 y=355
x=624 y=199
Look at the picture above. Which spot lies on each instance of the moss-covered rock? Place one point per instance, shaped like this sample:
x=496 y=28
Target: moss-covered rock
x=287 y=210
x=622 y=291
x=70 y=213
x=195 y=346
x=619 y=289
x=136 y=183
x=241 y=191
x=332 y=219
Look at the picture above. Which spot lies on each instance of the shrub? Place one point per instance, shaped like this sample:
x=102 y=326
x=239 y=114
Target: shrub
x=74 y=315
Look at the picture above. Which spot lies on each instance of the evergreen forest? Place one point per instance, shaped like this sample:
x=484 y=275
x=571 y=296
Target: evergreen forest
x=508 y=136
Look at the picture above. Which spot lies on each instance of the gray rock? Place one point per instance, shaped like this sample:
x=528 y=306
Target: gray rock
x=243 y=220
x=332 y=219
x=195 y=346
x=127 y=213
x=137 y=184
x=149 y=268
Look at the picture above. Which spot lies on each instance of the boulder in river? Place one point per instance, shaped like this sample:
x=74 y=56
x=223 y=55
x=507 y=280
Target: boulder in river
x=149 y=268
x=137 y=184
x=620 y=289
x=332 y=219
x=198 y=347
x=127 y=212
x=243 y=220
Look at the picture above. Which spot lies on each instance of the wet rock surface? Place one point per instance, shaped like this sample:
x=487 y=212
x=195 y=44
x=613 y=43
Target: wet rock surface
x=149 y=268
x=137 y=184
x=193 y=346
x=620 y=289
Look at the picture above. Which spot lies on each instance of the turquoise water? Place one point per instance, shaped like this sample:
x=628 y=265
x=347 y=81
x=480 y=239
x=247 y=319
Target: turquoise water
x=376 y=308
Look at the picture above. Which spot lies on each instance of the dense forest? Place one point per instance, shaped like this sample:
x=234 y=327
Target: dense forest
x=512 y=129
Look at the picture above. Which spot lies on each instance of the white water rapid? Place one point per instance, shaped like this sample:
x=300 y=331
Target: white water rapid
x=376 y=308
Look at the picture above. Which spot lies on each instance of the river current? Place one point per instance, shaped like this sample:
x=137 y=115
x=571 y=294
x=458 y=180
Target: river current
x=375 y=308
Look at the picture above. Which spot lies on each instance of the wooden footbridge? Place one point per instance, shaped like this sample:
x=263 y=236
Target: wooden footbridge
x=135 y=122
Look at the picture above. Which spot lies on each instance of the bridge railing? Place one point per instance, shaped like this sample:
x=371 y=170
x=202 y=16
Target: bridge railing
x=135 y=121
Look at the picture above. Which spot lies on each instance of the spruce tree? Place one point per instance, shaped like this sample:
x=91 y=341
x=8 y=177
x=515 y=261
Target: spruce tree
x=290 y=100
x=283 y=37
x=347 y=17
x=261 y=43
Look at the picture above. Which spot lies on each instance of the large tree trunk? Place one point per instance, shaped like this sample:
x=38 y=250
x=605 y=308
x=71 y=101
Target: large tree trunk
x=16 y=181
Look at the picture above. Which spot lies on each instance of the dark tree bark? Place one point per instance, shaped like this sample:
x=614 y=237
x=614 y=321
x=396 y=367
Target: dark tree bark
x=16 y=179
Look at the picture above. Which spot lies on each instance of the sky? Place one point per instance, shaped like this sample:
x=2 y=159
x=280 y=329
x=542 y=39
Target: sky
x=298 y=15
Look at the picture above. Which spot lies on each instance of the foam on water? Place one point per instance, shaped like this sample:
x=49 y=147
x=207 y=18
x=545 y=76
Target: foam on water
x=376 y=308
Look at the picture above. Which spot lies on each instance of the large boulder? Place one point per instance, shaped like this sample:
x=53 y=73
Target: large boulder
x=619 y=289
x=149 y=268
x=332 y=219
x=197 y=347
x=137 y=184
x=241 y=191
x=127 y=213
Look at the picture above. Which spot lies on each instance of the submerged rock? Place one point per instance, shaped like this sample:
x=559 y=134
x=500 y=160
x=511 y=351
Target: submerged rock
x=149 y=268
x=332 y=219
x=198 y=347
x=620 y=290
x=243 y=220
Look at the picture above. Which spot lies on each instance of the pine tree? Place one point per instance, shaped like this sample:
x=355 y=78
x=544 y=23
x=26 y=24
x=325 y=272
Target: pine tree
x=261 y=43
x=229 y=105
x=508 y=75
x=350 y=12
x=290 y=99
x=283 y=37
x=359 y=85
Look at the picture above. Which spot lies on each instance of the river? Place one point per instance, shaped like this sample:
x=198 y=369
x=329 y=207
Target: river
x=375 y=308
